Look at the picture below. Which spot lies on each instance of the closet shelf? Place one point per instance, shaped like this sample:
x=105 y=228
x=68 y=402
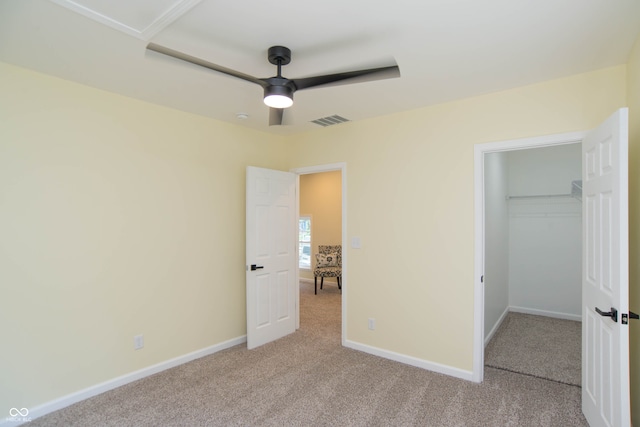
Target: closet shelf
x=539 y=196
x=576 y=189
x=576 y=192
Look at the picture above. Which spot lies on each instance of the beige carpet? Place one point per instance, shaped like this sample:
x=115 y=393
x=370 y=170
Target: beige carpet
x=308 y=379
x=540 y=346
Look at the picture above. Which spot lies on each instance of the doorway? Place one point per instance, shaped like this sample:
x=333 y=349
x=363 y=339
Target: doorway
x=533 y=233
x=340 y=236
x=480 y=291
x=320 y=214
x=533 y=262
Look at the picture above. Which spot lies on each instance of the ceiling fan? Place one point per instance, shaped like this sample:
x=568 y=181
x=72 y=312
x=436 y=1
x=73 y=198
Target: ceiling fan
x=278 y=90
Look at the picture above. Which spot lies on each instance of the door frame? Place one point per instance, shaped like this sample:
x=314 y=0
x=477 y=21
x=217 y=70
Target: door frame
x=479 y=232
x=342 y=167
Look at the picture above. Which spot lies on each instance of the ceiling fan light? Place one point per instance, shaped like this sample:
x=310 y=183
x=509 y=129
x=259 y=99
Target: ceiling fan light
x=278 y=101
x=278 y=96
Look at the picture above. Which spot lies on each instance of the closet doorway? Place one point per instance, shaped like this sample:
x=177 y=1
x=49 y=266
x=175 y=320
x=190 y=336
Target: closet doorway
x=533 y=233
x=533 y=261
x=492 y=218
x=605 y=263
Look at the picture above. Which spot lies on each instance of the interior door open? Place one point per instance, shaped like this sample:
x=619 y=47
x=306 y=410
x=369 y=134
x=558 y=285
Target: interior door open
x=605 y=281
x=271 y=235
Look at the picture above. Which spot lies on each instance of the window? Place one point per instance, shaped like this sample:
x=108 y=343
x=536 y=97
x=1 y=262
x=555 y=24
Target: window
x=304 y=242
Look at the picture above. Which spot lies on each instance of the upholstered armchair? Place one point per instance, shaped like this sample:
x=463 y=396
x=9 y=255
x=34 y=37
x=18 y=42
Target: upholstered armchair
x=328 y=264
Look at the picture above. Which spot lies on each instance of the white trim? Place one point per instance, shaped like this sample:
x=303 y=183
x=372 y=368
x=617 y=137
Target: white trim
x=311 y=281
x=320 y=168
x=410 y=360
x=70 y=399
x=342 y=166
x=535 y=142
x=496 y=326
x=310 y=216
x=478 y=290
x=298 y=250
x=478 y=285
x=555 y=314
x=160 y=23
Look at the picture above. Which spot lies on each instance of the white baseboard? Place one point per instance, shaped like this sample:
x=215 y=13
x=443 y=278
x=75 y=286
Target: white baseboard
x=557 y=315
x=326 y=281
x=496 y=326
x=410 y=360
x=94 y=390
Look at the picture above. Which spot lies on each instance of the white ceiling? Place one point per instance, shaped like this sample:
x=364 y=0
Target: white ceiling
x=446 y=49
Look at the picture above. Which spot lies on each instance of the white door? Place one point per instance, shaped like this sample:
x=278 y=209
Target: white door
x=271 y=255
x=605 y=282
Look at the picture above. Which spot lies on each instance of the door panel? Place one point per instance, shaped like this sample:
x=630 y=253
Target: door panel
x=262 y=300
x=605 y=341
x=270 y=244
x=282 y=306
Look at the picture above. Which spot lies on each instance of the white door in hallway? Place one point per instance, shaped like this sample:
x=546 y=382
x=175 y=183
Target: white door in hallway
x=271 y=234
x=605 y=281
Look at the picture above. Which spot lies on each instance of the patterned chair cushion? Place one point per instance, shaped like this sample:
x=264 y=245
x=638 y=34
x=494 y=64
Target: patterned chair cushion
x=328 y=272
x=327 y=260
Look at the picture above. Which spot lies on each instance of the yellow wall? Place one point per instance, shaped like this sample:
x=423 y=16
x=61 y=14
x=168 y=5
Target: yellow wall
x=118 y=218
x=410 y=199
x=633 y=99
x=321 y=197
x=121 y=217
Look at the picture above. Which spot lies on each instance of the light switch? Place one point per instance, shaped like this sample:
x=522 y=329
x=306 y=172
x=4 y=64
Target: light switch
x=355 y=242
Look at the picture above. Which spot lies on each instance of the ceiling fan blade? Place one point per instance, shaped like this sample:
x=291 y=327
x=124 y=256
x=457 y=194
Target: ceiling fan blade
x=206 y=64
x=275 y=116
x=349 y=77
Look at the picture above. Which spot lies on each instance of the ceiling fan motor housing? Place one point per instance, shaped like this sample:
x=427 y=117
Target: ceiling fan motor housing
x=279 y=55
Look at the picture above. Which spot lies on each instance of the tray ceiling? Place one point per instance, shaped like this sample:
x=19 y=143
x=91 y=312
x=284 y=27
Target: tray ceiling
x=446 y=50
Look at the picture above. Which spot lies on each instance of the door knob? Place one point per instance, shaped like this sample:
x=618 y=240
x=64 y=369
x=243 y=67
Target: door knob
x=613 y=313
x=256 y=267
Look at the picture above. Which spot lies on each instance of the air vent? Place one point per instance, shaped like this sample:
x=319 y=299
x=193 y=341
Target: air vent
x=330 y=120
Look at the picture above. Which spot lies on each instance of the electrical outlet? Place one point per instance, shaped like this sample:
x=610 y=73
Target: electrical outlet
x=138 y=342
x=372 y=323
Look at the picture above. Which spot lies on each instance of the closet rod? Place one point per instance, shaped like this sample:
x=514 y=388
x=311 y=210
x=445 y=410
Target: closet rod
x=538 y=196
